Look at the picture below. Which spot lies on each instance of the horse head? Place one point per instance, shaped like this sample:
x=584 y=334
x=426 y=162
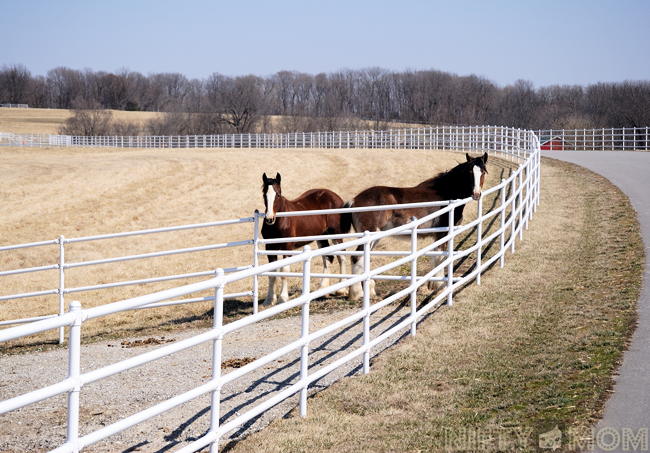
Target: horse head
x=271 y=192
x=478 y=171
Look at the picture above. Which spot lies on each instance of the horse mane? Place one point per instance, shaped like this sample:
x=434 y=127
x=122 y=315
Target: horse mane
x=443 y=182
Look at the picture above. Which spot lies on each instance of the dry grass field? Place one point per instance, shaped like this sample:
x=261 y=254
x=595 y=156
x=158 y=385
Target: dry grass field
x=46 y=193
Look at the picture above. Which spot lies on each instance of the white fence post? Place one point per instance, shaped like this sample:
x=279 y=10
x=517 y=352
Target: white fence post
x=366 y=304
x=479 y=239
x=529 y=211
x=538 y=174
x=414 y=269
x=450 y=256
x=256 y=245
x=503 y=224
x=304 y=352
x=513 y=211
x=216 y=360
x=521 y=208
x=74 y=366
x=61 y=284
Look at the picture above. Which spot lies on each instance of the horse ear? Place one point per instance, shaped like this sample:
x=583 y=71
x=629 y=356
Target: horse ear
x=277 y=178
x=468 y=158
x=264 y=178
x=485 y=157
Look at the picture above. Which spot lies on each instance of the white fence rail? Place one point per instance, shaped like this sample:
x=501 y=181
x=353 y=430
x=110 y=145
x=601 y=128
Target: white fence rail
x=62 y=265
x=518 y=197
x=14 y=106
x=606 y=139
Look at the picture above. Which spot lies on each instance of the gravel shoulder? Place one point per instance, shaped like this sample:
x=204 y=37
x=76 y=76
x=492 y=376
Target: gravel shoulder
x=42 y=426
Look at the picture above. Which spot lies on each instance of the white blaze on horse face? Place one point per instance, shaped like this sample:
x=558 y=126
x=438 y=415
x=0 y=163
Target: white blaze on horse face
x=270 y=211
x=477 y=181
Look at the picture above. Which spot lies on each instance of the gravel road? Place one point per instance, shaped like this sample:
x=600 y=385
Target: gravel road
x=42 y=426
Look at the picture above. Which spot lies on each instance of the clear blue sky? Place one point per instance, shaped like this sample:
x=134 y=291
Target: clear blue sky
x=547 y=42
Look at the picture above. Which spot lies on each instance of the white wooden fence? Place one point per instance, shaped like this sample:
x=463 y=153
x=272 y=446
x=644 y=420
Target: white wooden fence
x=518 y=199
x=606 y=139
x=494 y=138
x=429 y=137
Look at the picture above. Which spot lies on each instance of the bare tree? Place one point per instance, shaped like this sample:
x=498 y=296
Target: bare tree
x=165 y=124
x=137 y=84
x=41 y=95
x=474 y=99
x=124 y=129
x=194 y=96
x=518 y=104
x=625 y=104
x=88 y=119
x=238 y=101
x=66 y=85
x=153 y=97
x=373 y=94
x=113 y=91
x=15 y=84
x=562 y=107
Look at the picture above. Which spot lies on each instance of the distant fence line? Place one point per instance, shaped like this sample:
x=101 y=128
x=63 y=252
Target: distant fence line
x=606 y=139
x=447 y=137
x=15 y=106
x=431 y=137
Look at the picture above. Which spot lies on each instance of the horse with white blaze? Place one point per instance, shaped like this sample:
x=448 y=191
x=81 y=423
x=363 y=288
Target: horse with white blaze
x=299 y=226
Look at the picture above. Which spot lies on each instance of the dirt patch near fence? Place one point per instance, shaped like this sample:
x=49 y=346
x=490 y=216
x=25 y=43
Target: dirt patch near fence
x=536 y=343
x=46 y=193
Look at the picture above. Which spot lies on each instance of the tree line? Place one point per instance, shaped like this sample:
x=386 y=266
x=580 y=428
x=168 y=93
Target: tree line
x=340 y=100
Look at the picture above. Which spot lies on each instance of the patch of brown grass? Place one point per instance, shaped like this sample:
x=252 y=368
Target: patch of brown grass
x=49 y=121
x=538 y=340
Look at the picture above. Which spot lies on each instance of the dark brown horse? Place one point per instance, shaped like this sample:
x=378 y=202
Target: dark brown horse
x=288 y=227
x=460 y=182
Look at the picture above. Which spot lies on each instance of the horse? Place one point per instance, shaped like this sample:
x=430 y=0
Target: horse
x=288 y=227
x=462 y=181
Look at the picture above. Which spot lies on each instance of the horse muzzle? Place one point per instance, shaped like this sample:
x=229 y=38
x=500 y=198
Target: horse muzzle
x=476 y=196
x=269 y=221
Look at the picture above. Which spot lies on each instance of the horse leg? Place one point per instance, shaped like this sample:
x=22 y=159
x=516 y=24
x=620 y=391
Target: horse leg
x=284 y=291
x=371 y=284
x=271 y=298
x=325 y=281
x=343 y=270
x=356 y=290
x=435 y=261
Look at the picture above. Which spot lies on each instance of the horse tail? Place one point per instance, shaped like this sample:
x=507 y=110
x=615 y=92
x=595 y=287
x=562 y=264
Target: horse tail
x=346 y=218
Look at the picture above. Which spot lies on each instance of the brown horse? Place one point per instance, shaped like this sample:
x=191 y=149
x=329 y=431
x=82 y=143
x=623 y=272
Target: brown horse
x=460 y=182
x=288 y=227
